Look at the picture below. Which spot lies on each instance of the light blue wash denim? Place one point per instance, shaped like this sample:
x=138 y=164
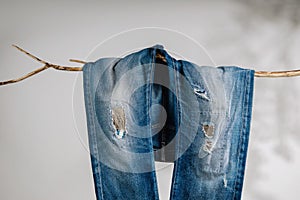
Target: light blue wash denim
x=148 y=106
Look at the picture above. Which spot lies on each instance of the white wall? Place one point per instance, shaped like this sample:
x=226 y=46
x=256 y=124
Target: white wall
x=41 y=155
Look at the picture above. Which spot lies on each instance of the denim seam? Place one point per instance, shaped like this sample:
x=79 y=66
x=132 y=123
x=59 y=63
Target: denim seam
x=149 y=102
x=246 y=136
x=239 y=148
x=175 y=171
x=223 y=150
x=242 y=142
x=92 y=117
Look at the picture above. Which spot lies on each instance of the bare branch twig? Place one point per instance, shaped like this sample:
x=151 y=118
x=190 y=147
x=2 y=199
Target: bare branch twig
x=46 y=66
x=24 y=77
x=277 y=74
x=272 y=74
x=30 y=55
x=77 y=61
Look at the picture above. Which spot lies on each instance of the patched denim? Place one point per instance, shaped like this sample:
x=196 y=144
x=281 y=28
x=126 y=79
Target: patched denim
x=148 y=106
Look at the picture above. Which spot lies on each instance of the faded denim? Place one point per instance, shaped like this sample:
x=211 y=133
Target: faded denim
x=145 y=108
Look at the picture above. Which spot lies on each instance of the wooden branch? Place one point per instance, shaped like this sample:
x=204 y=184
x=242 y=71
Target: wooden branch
x=47 y=65
x=277 y=74
x=77 y=61
x=24 y=77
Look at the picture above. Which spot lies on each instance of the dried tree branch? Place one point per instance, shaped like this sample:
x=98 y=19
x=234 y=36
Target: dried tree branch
x=276 y=74
x=30 y=55
x=24 y=77
x=47 y=65
x=77 y=61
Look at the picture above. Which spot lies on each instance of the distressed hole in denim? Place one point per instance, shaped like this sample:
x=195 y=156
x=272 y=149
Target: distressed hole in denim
x=208 y=130
x=119 y=121
x=206 y=149
x=207 y=146
x=201 y=93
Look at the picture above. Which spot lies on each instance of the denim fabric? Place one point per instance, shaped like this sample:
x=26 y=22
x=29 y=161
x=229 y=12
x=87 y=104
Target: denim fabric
x=149 y=107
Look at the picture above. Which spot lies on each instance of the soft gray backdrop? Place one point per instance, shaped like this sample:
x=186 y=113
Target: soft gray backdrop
x=41 y=153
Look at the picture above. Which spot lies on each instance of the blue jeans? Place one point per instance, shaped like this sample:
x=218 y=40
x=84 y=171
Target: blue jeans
x=149 y=107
